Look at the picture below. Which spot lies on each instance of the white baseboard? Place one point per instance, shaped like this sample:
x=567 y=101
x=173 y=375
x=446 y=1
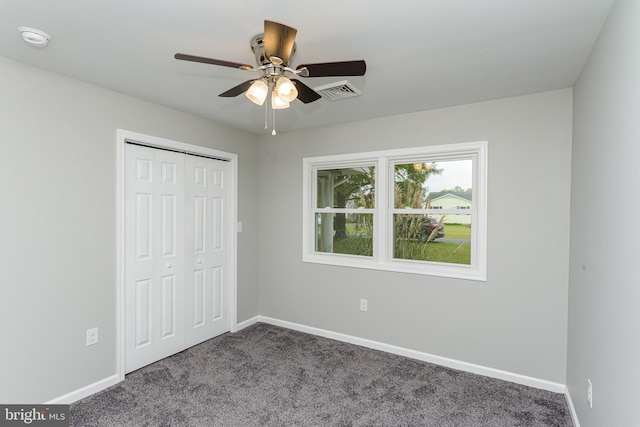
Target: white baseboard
x=85 y=391
x=418 y=355
x=572 y=409
x=247 y=323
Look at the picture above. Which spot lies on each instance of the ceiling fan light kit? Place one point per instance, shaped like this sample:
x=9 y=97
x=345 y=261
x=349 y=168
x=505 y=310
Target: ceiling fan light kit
x=277 y=102
x=273 y=51
x=285 y=89
x=258 y=91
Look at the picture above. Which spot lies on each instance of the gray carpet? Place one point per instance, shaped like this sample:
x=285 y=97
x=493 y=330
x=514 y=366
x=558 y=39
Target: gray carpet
x=270 y=376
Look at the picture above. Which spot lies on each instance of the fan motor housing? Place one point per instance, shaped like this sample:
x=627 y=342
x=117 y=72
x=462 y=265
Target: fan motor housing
x=257 y=46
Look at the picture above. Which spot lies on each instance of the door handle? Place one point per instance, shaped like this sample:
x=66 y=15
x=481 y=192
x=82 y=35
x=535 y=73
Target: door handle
x=169 y=265
x=199 y=261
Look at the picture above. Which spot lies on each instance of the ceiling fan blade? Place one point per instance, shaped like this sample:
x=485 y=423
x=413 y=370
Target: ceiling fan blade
x=185 y=57
x=305 y=93
x=335 y=69
x=237 y=90
x=278 y=42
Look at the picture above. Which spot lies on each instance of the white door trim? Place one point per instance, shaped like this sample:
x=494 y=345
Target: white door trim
x=124 y=136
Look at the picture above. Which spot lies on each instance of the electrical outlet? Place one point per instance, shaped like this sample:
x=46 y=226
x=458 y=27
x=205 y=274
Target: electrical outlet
x=363 y=305
x=92 y=336
x=590 y=393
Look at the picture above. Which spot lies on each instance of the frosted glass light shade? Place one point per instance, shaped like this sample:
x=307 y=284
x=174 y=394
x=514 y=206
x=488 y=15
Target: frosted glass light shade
x=257 y=92
x=286 y=89
x=277 y=103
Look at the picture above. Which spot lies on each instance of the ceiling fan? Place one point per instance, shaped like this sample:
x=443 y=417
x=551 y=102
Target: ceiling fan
x=273 y=51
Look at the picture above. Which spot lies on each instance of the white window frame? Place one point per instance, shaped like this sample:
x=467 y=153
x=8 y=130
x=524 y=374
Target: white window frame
x=384 y=162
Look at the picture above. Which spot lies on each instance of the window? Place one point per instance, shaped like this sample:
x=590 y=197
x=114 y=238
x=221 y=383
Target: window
x=345 y=210
x=419 y=210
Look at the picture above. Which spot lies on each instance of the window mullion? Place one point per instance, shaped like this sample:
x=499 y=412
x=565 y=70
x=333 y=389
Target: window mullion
x=381 y=238
x=409 y=211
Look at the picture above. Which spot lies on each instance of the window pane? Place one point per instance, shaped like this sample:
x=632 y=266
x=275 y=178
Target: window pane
x=420 y=185
x=351 y=187
x=341 y=233
x=435 y=238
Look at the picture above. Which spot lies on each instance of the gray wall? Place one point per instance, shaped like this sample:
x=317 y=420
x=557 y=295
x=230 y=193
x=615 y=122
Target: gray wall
x=516 y=321
x=604 y=289
x=58 y=224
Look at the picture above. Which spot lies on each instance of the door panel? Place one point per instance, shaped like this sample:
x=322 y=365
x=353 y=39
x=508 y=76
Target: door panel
x=142 y=314
x=217 y=218
x=216 y=294
x=208 y=284
x=143 y=226
x=199 y=285
x=168 y=225
x=199 y=227
x=154 y=255
x=168 y=306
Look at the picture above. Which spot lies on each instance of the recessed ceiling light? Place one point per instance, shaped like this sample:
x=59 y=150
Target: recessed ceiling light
x=34 y=37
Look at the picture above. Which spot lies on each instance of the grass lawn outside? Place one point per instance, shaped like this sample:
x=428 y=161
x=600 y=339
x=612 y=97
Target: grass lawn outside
x=454 y=253
x=457 y=231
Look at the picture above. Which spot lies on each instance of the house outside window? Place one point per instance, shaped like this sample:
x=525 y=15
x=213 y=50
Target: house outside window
x=420 y=210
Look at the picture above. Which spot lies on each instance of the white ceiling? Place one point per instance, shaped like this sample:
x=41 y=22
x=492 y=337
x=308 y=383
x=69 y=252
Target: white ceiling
x=420 y=54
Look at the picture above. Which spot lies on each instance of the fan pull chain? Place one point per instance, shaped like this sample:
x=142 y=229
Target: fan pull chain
x=273 y=132
x=265 y=116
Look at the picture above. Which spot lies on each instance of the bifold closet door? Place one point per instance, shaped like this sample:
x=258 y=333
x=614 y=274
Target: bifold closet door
x=207 y=249
x=154 y=255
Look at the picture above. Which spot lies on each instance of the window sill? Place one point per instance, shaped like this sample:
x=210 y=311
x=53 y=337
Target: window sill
x=399 y=266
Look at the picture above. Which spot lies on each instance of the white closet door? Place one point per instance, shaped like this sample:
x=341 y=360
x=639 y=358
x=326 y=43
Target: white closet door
x=207 y=249
x=154 y=255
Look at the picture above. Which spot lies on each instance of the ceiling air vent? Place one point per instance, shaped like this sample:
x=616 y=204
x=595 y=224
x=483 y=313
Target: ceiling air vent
x=338 y=90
